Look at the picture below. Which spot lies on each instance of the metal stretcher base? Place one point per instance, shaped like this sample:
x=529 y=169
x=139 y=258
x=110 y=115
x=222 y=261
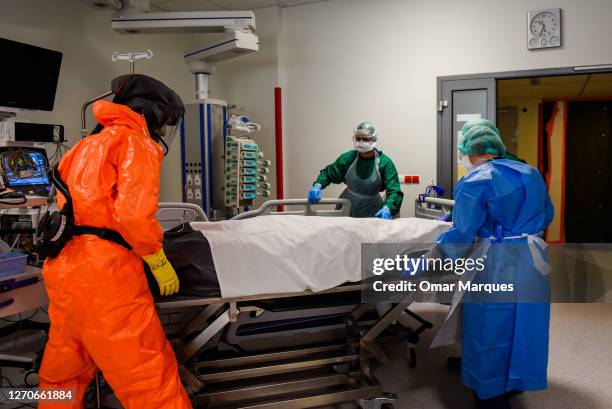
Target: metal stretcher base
x=302 y=377
x=293 y=378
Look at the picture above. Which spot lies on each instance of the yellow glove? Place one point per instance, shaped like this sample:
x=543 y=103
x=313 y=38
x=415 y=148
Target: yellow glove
x=163 y=272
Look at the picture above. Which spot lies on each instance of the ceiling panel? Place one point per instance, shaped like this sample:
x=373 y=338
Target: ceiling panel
x=563 y=79
x=598 y=89
x=246 y=4
x=215 y=5
x=256 y=4
x=601 y=77
x=300 y=2
x=184 y=5
x=570 y=86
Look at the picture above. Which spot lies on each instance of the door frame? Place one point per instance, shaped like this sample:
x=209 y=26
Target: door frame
x=444 y=173
x=447 y=152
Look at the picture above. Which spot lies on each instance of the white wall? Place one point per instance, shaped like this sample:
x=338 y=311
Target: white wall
x=87 y=41
x=345 y=61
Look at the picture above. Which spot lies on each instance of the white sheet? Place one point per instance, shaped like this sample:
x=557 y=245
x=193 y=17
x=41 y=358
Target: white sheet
x=280 y=254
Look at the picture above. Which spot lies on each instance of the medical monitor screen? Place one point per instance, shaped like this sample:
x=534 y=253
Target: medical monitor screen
x=25 y=167
x=28 y=75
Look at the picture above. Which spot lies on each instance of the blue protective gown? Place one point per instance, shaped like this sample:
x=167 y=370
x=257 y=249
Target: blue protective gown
x=504 y=345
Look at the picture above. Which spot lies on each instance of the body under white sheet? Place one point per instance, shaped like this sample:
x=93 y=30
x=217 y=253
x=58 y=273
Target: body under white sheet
x=285 y=254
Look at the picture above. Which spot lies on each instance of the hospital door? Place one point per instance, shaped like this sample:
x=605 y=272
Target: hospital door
x=460 y=101
x=588 y=172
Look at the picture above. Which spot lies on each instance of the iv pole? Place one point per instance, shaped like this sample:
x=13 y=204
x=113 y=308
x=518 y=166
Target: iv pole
x=131 y=58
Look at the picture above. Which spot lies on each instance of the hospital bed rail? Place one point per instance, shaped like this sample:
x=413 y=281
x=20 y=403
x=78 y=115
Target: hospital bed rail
x=432 y=208
x=342 y=208
x=303 y=377
x=172 y=214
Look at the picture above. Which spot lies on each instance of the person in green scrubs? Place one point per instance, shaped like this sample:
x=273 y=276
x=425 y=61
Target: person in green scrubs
x=366 y=171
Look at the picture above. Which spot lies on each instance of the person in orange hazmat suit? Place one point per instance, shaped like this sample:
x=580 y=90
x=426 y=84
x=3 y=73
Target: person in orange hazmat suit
x=100 y=307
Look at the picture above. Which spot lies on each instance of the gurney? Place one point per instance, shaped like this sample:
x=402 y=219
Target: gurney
x=301 y=377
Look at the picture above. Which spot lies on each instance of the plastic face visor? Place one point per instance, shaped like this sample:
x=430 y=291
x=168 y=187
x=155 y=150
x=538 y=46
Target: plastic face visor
x=168 y=132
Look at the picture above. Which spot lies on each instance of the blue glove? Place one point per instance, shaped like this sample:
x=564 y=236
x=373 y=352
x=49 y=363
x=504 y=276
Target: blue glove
x=314 y=195
x=445 y=218
x=384 y=213
x=416 y=267
x=413 y=273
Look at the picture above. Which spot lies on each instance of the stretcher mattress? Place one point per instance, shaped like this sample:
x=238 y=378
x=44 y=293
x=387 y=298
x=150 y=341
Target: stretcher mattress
x=281 y=254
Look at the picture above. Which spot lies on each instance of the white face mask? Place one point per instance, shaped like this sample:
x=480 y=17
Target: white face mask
x=364 y=147
x=465 y=161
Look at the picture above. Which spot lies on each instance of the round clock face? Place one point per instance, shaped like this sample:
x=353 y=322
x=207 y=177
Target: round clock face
x=544 y=25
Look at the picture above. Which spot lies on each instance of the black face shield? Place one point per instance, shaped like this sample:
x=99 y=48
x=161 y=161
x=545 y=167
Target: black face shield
x=160 y=105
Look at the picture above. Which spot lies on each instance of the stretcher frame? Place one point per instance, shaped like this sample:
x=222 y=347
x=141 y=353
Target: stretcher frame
x=432 y=208
x=302 y=377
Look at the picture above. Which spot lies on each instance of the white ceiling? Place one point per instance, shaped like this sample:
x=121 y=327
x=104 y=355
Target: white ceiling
x=218 y=5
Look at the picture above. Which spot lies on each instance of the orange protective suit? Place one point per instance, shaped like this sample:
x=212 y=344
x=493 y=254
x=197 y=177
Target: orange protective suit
x=101 y=310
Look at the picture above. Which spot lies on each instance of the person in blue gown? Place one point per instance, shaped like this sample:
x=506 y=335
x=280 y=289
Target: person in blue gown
x=505 y=204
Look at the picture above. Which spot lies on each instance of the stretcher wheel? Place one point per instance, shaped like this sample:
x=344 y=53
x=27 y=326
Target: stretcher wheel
x=31 y=378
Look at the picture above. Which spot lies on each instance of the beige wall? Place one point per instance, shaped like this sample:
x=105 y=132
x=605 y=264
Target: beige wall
x=345 y=61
